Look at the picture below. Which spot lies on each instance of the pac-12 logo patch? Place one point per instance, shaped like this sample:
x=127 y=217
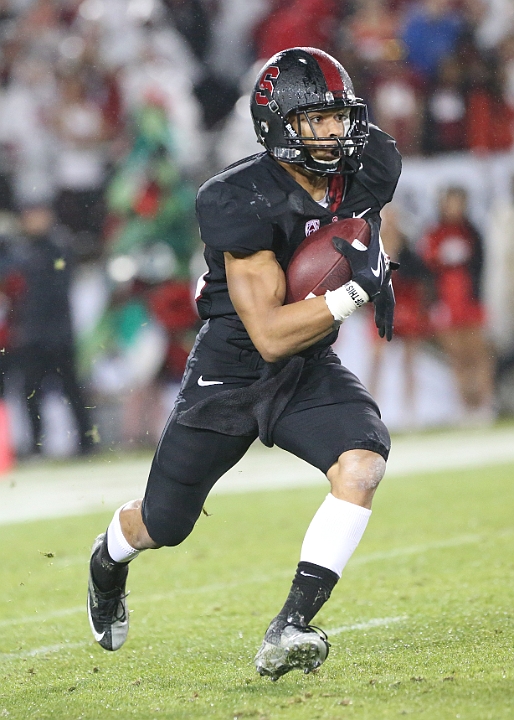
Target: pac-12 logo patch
x=311 y=226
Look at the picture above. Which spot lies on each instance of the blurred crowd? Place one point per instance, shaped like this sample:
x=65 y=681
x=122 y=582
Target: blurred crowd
x=112 y=112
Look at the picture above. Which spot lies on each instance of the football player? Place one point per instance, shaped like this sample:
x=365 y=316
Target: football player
x=260 y=368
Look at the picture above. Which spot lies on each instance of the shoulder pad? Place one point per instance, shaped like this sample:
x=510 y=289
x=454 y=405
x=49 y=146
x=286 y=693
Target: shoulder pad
x=381 y=166
x=244 y=189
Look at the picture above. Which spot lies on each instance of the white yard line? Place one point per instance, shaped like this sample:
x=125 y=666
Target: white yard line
x=223 y=587
x=52 y=649
x=43 y=617
x=416 y=549
x=368 y=625
x=359 y=560
x=45 y=650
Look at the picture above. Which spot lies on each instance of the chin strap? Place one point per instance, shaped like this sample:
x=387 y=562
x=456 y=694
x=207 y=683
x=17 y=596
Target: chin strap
x=347 y=165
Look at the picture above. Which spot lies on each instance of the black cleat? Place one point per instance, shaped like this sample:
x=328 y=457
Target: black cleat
x=107 y=611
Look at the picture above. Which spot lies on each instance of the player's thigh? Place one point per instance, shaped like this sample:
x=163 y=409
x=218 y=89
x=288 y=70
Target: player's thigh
x=319 y=435
x=330 y=413
x=186 y=465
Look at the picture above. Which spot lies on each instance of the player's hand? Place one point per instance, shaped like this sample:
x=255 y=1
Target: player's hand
x=369 y=266
x=384 y=309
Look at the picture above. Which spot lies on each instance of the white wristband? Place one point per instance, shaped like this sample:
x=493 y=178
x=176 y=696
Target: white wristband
x=343 y=301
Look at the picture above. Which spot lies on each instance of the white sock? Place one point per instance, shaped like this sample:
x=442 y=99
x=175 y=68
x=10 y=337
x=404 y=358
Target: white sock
x=118 y=547
x=334 y=533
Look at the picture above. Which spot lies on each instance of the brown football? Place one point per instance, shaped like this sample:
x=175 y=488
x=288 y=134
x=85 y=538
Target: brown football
x=317 y=266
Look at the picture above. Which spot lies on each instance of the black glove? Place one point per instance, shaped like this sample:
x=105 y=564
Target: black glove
x=384 y=309
x=369 y=267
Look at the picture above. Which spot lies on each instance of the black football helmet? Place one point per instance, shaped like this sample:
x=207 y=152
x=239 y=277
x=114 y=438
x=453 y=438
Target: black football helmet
x=293 y=83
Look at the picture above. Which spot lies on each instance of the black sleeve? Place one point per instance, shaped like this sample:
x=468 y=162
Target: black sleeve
x=233 y=219
x=381 y=166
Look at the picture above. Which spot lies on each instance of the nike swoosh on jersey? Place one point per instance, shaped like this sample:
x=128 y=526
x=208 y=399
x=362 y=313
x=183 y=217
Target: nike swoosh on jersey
x=361 y=214
x=205 y=383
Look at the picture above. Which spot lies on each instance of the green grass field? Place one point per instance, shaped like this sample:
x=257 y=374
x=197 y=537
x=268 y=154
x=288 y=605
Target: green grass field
x=422 y=620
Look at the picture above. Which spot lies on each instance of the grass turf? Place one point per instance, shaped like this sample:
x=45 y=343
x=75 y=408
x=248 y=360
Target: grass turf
x=422 y=621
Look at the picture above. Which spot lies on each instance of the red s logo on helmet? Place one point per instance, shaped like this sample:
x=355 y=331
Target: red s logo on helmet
x=266 y=83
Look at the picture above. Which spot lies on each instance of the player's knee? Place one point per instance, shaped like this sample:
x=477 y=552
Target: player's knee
x=168 y=531
x=171 y=507
x=361 y=469
x=176 y=535
x=170 y=520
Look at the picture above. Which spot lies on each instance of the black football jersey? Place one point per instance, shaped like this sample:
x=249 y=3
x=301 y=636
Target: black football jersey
x=256 y=205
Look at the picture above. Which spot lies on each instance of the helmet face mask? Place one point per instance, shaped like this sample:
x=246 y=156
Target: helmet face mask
x=292 y=86
x=346 y=149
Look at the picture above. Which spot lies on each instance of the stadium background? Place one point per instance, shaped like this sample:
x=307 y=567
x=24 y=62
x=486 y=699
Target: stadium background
x=113 y=112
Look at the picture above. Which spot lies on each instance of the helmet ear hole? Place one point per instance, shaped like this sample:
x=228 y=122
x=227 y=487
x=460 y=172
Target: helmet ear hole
x=264 y=127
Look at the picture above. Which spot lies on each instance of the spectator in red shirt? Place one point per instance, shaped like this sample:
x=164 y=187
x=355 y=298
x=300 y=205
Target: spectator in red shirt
x=453 y=252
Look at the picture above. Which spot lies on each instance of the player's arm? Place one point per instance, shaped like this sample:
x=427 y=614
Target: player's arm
x=257 y=288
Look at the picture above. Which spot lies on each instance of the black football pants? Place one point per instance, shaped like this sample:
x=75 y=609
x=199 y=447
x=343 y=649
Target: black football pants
x=330 y=413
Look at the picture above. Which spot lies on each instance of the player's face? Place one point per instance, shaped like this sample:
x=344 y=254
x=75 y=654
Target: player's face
x=326 y=124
